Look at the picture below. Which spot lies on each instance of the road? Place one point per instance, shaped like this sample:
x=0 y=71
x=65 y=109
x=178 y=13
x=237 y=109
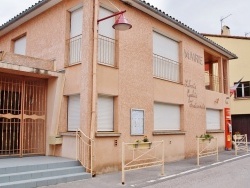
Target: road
x=234 y=174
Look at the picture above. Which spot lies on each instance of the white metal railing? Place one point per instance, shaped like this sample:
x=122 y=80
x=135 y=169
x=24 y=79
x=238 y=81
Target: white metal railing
x=212 y=82
x=206 y=148
x=240 y=143
x=84 y=150
x=166 y=68
x=106 y=50
x=75 y=50
x=142 y=155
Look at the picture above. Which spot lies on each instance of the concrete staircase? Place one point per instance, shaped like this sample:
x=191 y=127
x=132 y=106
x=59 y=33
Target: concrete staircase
x=39 y=171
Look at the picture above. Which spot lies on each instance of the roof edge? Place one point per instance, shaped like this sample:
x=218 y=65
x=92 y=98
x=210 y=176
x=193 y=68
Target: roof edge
x=162 y=16
x=27 y=14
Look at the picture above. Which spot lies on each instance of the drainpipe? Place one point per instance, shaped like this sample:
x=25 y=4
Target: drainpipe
x=94 y=86
x=94 y=66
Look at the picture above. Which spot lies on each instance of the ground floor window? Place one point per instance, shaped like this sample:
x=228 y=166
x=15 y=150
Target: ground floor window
x=213 y=119
x=73 y=112
x=166 y=116
x=105 y=113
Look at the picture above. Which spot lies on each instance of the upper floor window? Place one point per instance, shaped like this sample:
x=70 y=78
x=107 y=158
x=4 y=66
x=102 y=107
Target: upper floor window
x=75 y=42
x=243 y=89
x=165 y=58
x=106 y=39
x=20 y=46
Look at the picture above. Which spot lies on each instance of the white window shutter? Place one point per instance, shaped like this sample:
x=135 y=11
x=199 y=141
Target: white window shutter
x=213 y=119
x=166 y=116
x=105 y=116
x=76 y=21
x=73 y=112
x=165 y=47
x=20 y=46
x=105 y=27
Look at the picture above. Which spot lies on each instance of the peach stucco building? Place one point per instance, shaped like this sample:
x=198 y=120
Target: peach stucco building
x=60 y=71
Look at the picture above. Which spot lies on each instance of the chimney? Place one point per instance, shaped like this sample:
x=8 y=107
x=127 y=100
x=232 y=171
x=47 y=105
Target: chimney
x=225 y=30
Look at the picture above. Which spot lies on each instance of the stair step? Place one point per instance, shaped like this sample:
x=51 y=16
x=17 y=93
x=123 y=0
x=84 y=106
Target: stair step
x=33 y=167
x=40 y=173
x=45 y=181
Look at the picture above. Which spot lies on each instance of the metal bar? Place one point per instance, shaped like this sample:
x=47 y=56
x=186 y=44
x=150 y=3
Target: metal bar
x=113 y=15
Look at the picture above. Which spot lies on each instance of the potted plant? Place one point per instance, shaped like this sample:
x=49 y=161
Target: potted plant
x=143 y=144
x=206 y=137
x=237 y=135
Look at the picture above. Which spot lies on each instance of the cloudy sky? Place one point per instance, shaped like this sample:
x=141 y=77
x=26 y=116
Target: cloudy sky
x=201 y=15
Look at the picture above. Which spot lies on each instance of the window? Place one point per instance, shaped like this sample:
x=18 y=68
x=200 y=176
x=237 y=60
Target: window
x=105 y=113
x=20 y=46
x=243 y=89
x=75 y=43
x=213 y=119
x=166 y=116
x=73 y=112
x=165 y=58
x=106 y=39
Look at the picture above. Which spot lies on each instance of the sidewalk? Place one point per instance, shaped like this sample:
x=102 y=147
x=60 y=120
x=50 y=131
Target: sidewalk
x=147 y=176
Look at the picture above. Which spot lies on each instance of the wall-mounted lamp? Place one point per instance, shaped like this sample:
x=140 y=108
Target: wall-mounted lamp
x=121 y=24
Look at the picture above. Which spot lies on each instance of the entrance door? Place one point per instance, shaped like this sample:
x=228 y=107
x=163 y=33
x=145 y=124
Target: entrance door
x=22 y=115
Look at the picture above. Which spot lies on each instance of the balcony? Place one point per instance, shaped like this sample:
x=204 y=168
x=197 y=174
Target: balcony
x=26 y=61
x=106 y=50
x=74 y=46
x=166 y=69
x=212 y=82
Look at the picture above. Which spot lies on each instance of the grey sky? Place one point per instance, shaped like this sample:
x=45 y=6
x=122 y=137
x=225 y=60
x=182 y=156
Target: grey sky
x=201 y=15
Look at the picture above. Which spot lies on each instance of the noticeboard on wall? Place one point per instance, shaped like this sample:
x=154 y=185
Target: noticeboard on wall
x=137 y=122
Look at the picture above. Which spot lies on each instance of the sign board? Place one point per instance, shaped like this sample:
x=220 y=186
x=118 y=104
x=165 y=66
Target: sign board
x=137 y=122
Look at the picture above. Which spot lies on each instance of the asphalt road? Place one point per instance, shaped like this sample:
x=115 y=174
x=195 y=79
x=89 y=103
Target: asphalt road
x=234 y=174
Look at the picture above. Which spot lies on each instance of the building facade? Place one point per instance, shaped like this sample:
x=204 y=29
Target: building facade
x=160 y=79
x=238 y=69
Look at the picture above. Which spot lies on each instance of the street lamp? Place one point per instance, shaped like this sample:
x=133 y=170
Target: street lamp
x=121 y=24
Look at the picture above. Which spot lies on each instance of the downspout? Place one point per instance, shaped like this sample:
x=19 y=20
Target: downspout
x=94 y=89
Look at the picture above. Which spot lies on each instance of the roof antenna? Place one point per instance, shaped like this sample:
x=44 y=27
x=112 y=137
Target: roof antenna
x=246 y=34
x=221 y=20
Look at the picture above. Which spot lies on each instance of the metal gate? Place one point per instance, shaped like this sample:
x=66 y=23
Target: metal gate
x=22 y=115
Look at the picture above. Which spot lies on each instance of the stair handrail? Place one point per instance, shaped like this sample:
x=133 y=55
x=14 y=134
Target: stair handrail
x=84 y=150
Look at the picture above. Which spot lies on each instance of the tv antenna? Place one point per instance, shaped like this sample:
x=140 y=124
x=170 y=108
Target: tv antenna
x=246 y=34
x=221 y=20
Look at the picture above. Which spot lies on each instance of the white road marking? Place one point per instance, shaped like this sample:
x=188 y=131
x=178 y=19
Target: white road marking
x=195 y=169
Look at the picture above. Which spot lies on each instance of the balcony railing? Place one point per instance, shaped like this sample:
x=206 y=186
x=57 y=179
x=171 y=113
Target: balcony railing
x=74 y=50
x=166 y=68
x=212 y=82
x=106 y=50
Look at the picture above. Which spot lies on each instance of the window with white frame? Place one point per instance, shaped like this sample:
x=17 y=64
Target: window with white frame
x=105 y=113
x=73 y=112
x=213 y=119
x=243 y=90
x=106 y=39
x=20 y=46
x=75 y=42
x=166 y=117
x=165 y=58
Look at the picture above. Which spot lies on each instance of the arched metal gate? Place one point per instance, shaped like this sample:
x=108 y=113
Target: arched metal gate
x=22 y=115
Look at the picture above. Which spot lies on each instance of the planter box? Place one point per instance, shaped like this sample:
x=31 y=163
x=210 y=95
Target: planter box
x=238 y=137
x=142 y=145
x=53 y=140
